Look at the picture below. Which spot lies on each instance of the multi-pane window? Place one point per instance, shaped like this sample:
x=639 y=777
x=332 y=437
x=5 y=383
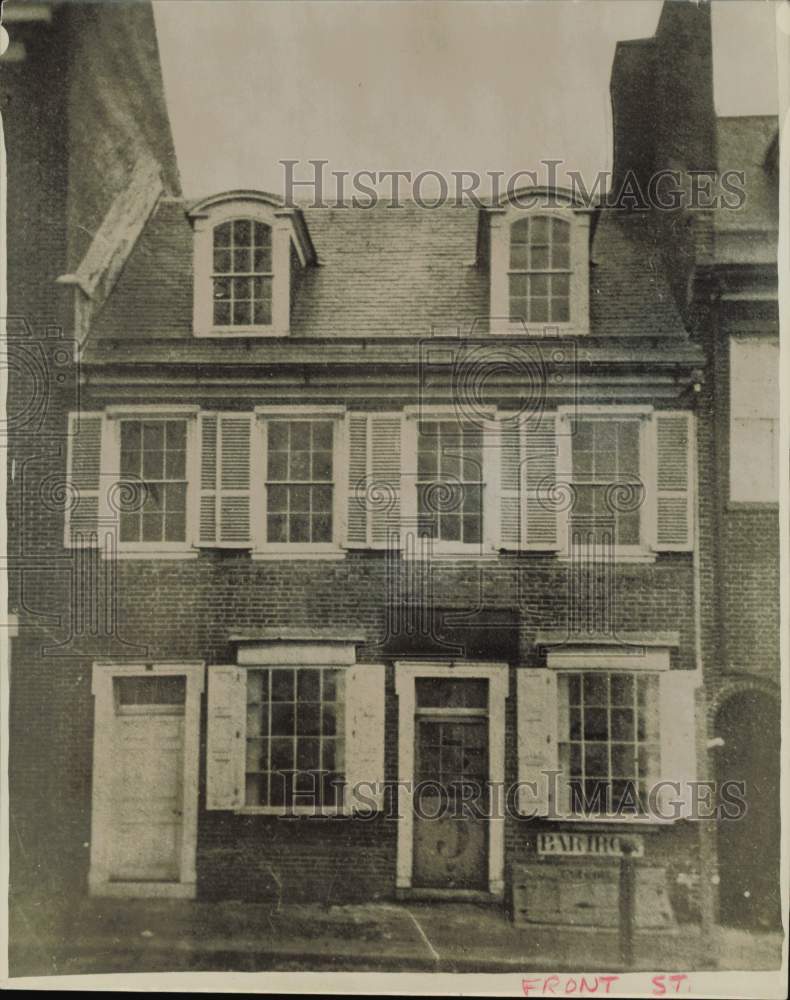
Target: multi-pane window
x=295 y=737
x=299 y=481
x=153 y=470
x=242 y=273
x=608 y=739
x=540 y=269
x=450 y=481
x=608 y=492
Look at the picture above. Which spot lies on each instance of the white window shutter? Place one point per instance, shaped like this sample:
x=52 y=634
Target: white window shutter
x=674 y=481
x=225 y=479
x=384 y=479
x=537 y=738
x=226 y=737
x=364 y=693
x=83 y=476
x=677 y=720
x=541 y=529
x=358 y=437
x=510 y=483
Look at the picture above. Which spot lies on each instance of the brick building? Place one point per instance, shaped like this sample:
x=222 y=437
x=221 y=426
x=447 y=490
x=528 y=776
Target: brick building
x=369 y=518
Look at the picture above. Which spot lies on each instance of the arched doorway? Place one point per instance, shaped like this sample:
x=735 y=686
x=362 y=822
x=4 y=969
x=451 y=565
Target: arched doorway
x=748 y=723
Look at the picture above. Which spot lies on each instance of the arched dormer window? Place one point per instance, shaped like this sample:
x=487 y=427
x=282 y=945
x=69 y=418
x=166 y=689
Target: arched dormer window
x=540 y=269
x=246 y=245
x=242 y=273
x=537 y=249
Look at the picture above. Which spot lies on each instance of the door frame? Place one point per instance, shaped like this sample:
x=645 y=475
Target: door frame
x=99 y=879
x=497 y=675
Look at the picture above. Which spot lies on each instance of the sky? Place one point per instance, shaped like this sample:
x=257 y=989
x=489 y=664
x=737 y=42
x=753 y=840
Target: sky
x=443 y=85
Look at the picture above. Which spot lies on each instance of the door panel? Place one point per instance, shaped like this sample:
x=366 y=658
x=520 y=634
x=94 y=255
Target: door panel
x=147 y=792
x=451 y=803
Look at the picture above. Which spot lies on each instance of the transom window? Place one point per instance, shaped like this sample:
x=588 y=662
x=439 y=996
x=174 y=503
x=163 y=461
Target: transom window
x=540 y=269
x=295 y=737
x=608 y=492
x=450 y=481
x=242 y=273
x=299 y=481
x=608 y=739
x=153 y=470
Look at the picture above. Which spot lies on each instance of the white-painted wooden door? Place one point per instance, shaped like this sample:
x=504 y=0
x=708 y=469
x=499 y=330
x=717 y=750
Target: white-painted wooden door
x=147 y=783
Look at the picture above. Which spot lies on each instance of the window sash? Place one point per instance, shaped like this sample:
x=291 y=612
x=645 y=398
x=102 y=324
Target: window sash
x=257 y=281
x=597 y=768
x=284 y=766
x=294 y=496
x=450 y=482
x=143 y=485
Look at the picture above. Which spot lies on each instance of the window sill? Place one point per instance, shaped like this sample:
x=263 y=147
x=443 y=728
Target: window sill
x=619 y=556
x=150 y=554
x=282 y=812
x=462 y=552
x=593 y=822
x=238 y=332
x=288 y=554
x=547 y=329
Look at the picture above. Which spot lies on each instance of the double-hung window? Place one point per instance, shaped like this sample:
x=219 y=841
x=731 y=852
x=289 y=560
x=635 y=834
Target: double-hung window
x=242 y=273
x=300 y=482
x=540 y=269
x=608 y=492
x=450 y=481
x=153 y=477
x=609 y=750
x=295 y=747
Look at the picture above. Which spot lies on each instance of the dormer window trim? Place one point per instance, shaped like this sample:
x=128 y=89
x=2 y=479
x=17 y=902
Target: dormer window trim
x=501 y=220
x=287 y=230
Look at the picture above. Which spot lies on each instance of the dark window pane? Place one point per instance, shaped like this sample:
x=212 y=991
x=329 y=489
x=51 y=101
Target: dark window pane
x=241 y=313
x=299 y=528
x=321 y=525
x=596 y=726
x=130 y=528
x=152 y=527
x=222 y=234
x=622 y=724
x=596 y=689
x=282 y=754
x=308 y=719
x=308 y=685
x=283 y=685
x=282 y=718
x=242 y=232
x=175 y=528
x=277 y=499
x=299 y=498
x=308 y=754
x=622 y=689
x=222 y=313
x=278 y=435
x=277 y=528
x=277 y=465
x=222 y=261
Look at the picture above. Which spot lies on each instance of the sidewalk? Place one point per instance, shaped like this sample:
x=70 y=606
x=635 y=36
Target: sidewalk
x=106 y=936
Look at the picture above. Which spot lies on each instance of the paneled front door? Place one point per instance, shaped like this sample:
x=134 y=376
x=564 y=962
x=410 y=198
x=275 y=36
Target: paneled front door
x=451 y=789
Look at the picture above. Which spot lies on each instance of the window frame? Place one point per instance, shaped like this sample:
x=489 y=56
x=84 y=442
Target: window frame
x=416 y=547
x=336 y=808
x=111 y=475
x=262 y=548
x=229 y=276
x=288 y=231
x=557 y=204
x=548 y=272
x=643 y=551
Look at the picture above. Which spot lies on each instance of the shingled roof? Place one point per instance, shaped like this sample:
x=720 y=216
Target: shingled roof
x=385 y=272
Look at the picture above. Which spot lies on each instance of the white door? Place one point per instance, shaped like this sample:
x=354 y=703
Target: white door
x=147 y=784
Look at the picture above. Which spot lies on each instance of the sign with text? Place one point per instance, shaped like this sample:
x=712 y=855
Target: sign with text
x=589 y=844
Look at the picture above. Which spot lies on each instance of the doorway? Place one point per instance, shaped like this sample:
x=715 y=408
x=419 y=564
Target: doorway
x=748 y=723
x=145 y=780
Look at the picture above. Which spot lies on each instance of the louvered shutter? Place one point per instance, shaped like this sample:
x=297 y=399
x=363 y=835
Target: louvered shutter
x=537 y=738
x=83 y=474
x=226 y=737
x=357 y=514
x=674 y=485
x=364 y=694
x=384 y=492
x=510 y=483
x=677 y=720
x=225 y=479
x=542 y=506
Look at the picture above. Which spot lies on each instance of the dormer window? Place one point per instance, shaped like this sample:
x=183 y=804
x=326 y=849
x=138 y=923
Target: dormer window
x=537 y=249
x=242 y=278
x=540 y=269
x=246 y=246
